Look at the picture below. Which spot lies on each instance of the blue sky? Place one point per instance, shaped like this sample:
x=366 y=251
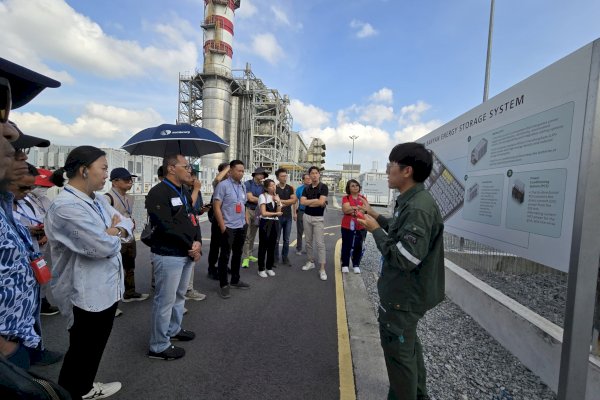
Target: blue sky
x=385 y=70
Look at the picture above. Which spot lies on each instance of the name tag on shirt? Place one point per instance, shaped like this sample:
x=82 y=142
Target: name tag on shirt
x=176 y=201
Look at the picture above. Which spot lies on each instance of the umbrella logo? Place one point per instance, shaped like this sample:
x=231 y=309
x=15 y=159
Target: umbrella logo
x=166 y=132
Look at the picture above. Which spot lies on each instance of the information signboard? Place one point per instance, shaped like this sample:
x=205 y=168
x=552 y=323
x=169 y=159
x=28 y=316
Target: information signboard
x=506 y=172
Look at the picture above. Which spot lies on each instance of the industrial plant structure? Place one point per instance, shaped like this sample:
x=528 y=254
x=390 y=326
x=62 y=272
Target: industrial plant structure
x=253 y=118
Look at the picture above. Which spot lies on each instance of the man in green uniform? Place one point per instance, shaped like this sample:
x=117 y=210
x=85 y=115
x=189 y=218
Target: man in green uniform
x=412 y=272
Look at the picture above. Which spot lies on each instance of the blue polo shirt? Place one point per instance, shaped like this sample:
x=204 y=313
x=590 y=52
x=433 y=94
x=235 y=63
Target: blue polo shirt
x=230 y=193
x=299 y=191
x=256 y=189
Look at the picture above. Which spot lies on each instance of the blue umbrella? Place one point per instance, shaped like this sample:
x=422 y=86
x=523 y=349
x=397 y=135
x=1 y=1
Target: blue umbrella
x=185 y=139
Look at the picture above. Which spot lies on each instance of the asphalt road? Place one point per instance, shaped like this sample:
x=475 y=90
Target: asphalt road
x=276 y=341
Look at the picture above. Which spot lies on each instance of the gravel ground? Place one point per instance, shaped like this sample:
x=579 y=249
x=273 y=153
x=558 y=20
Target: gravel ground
x=545 y=294
x=463 y=361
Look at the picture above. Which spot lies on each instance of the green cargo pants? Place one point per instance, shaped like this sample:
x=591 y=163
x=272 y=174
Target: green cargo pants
x=403 y=354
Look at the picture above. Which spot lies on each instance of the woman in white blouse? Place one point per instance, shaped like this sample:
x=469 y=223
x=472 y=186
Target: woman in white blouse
x=85 y=235
x=270 y=210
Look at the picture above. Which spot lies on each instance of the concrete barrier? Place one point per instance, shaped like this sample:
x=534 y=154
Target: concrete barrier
x=531 y=338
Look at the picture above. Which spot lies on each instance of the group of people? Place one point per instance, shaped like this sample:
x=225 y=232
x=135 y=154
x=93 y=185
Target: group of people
x=80 y=248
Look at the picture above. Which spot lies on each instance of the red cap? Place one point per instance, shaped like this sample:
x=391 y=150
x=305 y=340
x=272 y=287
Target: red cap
x=43 y=179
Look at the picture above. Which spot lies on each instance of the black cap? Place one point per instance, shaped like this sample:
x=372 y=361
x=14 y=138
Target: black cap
x=25 y=84
x=121 y=173
x=27 y=141
x=260 y=170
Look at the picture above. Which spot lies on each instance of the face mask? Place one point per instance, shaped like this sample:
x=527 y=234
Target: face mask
x=40 y=191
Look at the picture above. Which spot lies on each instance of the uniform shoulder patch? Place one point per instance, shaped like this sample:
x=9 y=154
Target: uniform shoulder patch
x=410 y=238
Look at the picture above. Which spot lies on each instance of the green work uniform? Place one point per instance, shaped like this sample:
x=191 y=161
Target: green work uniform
x=410 y=283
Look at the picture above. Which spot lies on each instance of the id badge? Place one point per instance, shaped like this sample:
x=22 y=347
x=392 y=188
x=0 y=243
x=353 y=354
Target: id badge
x=193 y=219
x=238 y=208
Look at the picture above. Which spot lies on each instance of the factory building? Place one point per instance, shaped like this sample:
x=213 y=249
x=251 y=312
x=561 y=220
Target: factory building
x=235 y=104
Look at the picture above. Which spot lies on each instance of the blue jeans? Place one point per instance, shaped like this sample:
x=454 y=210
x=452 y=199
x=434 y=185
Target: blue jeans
x=285 y=228
x=172 y=275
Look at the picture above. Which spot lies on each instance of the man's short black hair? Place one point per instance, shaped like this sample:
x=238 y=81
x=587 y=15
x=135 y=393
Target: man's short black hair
x=171 y=159
x=279 y=171
x=414 y=155
x=234 y=163
x=160 y=172
x=313 y=167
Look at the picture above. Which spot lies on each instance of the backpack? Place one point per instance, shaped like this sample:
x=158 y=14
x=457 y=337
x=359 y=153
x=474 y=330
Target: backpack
x=210 y=213
x=257 y=211
x=16 y=383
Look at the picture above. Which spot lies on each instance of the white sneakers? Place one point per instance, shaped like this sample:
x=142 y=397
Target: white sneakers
x=194 y=295
x=308 y=265
x=264 y=274
x=356 y=270
x=323 y=275
x=345 y=270
x=270 y=272
x=103 y=390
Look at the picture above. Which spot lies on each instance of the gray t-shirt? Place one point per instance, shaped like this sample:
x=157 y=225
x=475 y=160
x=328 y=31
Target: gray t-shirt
x=232 y=195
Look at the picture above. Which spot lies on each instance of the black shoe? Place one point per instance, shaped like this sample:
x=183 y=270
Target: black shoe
x=240 y=285
x=224 y=292
x=213 y=274
x=171 y=353
x=47 y=308
x=287 y=262
x=45 y=357
x=184 y=336
x=134 y=296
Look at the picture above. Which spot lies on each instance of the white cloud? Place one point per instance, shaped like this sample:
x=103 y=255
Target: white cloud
x=247 y=9
x=307 y=115
x=370 y=122
x=267 y=47
x=376 y=114
x=52 y=30
x=113 y=125
x=280 y=15
x=383 y=95
x=411 y=125
x=363 y=29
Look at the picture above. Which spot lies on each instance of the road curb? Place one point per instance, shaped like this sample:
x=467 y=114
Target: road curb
x=370 y=374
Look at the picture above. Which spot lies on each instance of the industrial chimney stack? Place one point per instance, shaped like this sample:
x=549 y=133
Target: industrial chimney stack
x=218 y=52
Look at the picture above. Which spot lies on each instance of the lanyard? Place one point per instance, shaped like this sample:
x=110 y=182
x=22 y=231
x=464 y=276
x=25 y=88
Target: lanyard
x=237 y=195
x=179 y=192
x=22 y=214
x=126 y=207
x=38 y=202
x=97 y=208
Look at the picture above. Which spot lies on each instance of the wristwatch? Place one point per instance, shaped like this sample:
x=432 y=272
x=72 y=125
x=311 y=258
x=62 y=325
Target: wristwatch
x=119 y=232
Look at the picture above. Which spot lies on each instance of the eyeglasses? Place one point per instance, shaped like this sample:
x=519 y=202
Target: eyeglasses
x=23 y=150
x=5 y=100
x=188 y=167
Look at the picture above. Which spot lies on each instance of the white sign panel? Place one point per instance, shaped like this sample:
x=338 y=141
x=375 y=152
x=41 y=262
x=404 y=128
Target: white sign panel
x=375 y=188
x=505 y=173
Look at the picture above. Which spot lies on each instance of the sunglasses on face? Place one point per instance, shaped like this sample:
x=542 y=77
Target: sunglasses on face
x=25 y=188
x=5 y=100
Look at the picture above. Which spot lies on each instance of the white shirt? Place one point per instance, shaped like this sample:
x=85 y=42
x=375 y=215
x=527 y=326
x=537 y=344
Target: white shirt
x=87 y=260
x=264 y=199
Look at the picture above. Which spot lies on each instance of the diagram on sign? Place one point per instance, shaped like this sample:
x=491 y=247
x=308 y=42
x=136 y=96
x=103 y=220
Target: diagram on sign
x=447 y=191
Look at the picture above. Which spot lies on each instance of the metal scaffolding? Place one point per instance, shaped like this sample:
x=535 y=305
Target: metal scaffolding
x=261 y=123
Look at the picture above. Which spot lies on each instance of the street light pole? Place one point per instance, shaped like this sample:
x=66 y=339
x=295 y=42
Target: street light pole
x=353 y=137
x=488 y=60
